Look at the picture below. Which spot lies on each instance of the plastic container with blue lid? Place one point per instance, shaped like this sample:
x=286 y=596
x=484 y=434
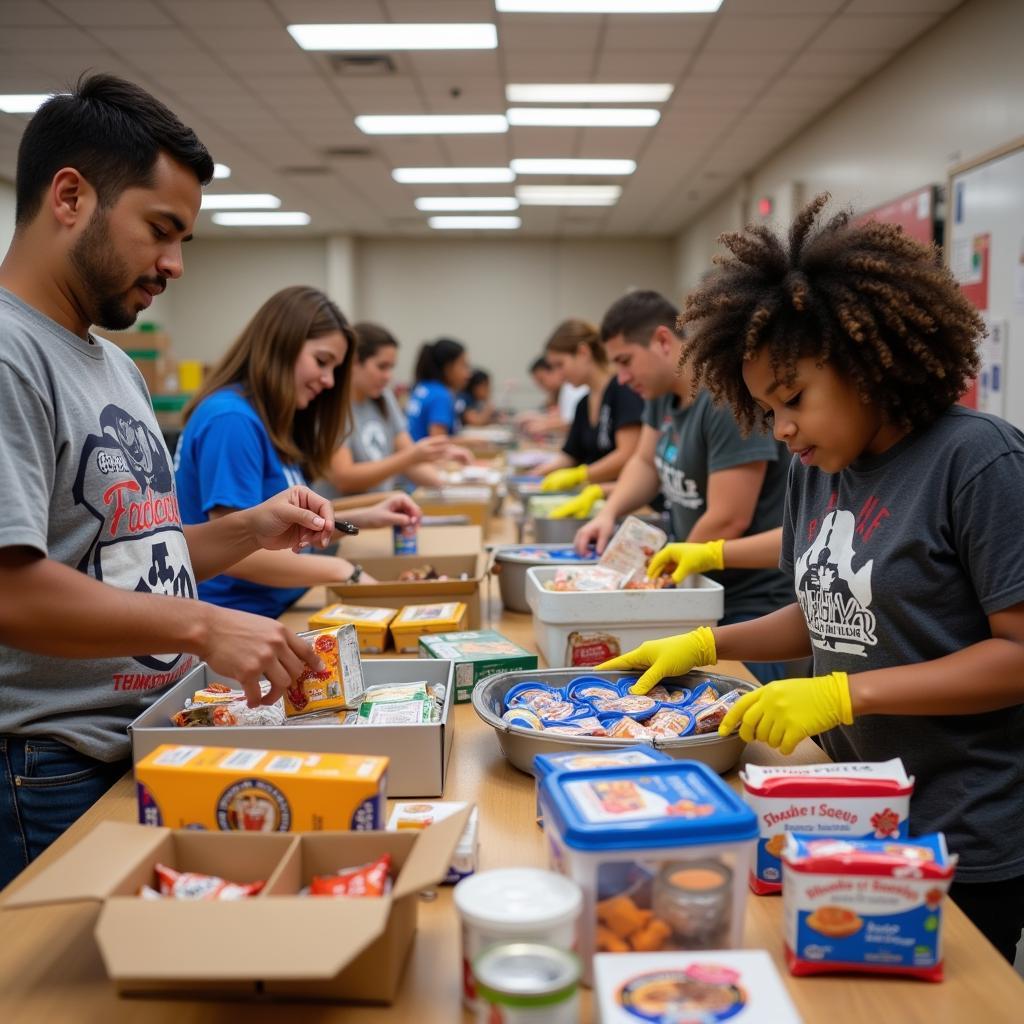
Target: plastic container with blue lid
x=662 y=852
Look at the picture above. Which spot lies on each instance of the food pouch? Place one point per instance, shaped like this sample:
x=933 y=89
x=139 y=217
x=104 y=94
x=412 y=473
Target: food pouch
x=669 y=723
x=366 y=880
x=632 y=547
x=190 y=885
x=339 y=684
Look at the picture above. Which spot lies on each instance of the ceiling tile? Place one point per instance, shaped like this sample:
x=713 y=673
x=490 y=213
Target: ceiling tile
x=718 y=63
x=203 y=14
x=782 y=33
x=639 y=65
x=900 y=6
x=107 y=13
x=29 y=13
x=819 y=61
x=271 y=64
x=453 y=63
x=567 y=38
x=683 y=32
x=873 y=32
x=17 y=39
x=549 y=67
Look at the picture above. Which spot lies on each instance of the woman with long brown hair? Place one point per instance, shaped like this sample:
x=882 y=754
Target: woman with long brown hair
x=269 y=417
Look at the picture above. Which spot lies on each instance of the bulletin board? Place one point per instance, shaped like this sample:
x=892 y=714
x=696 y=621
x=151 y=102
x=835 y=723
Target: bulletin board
x=915 y=212
x=985 y=250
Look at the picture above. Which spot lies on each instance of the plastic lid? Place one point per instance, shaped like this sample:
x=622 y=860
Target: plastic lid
x=539 y=554
x=517 y=898
x=683 y=803
x=582 y=760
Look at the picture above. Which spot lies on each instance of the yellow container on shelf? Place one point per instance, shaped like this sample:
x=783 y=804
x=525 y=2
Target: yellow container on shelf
x=190 y=374
x=371 y=624
x=416 y=620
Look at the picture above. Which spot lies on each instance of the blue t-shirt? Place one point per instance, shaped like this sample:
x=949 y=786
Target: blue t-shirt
x=430 y=402
x=225 y=460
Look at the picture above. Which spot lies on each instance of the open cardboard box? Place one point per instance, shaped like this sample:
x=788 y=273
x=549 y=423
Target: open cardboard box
x=275 y=944
x=452 y=550
x=418 y=753
x=456 y=500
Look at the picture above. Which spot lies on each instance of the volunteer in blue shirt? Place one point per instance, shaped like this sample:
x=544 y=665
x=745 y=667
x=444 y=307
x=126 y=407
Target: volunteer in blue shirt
x=442 y=371
x=269 y=417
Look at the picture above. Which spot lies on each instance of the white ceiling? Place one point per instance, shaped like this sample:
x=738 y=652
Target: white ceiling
x=746 y=78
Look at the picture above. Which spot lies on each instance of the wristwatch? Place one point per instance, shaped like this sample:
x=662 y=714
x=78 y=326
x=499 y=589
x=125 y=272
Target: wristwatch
x=357 y=572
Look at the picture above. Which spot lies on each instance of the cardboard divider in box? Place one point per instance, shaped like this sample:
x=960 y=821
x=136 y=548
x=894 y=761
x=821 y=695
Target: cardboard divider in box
x=336 y=948
x=419 y=753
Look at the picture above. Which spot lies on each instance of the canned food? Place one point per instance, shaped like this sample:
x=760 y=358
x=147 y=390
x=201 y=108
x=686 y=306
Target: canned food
x=405 y=539
x=527 y=983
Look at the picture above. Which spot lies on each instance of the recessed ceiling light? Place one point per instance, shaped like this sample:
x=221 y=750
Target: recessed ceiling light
x=474 y=223
x=431 y=203
x=568 y=195
x=221 y=171
x=453 y=175
x=583 y=117
x=573 y=166
x=431 y=124
x=384 y=37
x=241 y=201
x=583 y=92
x=607 y=6
x=23 y=103
x=254 y=220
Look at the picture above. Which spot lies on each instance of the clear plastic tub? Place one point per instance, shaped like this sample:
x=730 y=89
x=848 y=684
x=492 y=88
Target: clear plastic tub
x=661 y=852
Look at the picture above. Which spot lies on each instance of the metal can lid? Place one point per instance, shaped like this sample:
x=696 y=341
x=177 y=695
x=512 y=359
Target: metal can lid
x=526 y=974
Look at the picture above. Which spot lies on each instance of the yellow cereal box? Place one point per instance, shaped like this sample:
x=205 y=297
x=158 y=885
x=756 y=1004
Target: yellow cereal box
x=227 y=790
x=416 y=620
x=339 y=684
x=371 y=623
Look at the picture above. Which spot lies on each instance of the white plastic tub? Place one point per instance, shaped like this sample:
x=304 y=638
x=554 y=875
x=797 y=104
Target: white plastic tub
x=624 y=617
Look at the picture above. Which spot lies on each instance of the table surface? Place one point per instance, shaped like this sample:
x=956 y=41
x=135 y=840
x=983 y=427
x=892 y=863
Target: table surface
x=50 y=969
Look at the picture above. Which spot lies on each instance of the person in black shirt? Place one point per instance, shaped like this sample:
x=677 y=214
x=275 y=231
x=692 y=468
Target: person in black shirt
x=606 y=427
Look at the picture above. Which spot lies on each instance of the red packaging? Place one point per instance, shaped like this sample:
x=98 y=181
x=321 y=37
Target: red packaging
x=366 y=880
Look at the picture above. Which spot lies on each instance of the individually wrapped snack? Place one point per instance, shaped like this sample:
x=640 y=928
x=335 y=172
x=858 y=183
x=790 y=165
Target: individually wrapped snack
x=562 y=710
x=396 y=712
x=632 y=547
x=587 y=579
x=385 y=692
x=591 y=725
x=591 y=688
x=191 y=885
x=215 y=693
x=532 y=695
x=669 y=723
x=703 y=695
x=370 y=880
x=523 y=717
x=235 y=713
x=709 y=718
x=591 y=648
x=627 y=728
x=635 y=705
x=339 y=684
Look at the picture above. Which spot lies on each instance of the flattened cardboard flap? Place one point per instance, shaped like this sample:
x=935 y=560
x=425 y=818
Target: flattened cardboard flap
x=431 y=854
x=93 y=868
x=271 y=938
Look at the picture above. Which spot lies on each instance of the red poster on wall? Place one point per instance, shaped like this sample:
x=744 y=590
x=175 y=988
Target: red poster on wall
x=968 y=260
x=914 y=212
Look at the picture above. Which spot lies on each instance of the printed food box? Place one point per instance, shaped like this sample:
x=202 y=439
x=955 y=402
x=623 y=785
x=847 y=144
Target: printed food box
x=228 y=790
x=371 y=623
x=416 y=620
x=475 y=655
x=339 y=684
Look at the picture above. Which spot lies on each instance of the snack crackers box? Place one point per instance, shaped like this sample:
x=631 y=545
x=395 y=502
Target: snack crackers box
x=866 y=800
x=865 y=905
x=416 y=620
x=421 y=814
x=225 y=789
x=476 y=654
x=741 y=986
x=371 y=624
x=339 y=685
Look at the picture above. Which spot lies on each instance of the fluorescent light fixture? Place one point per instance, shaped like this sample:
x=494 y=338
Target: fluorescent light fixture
x=431 y=124
x=221 y=171
x=474 y=223
x=384 y=37
x=453 y=175
x=583 y=117
x=255 y=220
x=573 y=166
x=568 y=195
x=607 y=6
x=23 y=103
x=434 y=203
x=583 y=92
x=241 y=201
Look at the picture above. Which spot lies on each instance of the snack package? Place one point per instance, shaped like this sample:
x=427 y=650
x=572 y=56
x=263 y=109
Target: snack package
x=585 y=579
x=190 y=885
x=372 y=879
x=631 y=548
x=863 y=800
x=709 y=717
x=420 y=814
x=233 y=713
x=668 y=723
x=216 y=693
x=418 y=711
x=371 y=623
x=385 y=692
x=865 y=905
x=591 y=648
x=416 y=620
x=627 y=728
x=339 y=684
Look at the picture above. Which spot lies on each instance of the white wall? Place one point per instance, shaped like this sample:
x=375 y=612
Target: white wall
x=954 y=94
x=6 y=215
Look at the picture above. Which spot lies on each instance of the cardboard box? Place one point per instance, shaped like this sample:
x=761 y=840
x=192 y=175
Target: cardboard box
x=371 y=624
x=476 y=654
x=416 y=620
x=478 y=502
x=419 y=753
x=431 y=541
x=228 y=789
x=273 y=945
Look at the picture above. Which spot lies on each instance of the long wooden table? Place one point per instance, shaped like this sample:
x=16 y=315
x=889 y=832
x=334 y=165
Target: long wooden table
x=51 y=971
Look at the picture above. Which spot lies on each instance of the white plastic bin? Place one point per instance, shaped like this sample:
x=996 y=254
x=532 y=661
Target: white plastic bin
x=626 y=617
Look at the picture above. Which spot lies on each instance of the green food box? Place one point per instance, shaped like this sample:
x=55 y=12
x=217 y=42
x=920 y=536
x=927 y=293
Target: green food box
x=475 y=654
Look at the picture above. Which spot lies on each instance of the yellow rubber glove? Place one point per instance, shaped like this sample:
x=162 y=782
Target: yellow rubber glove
x=564 y=479
x=687 y=559
x=670 y=656
x=783 y=713
x=579 y=505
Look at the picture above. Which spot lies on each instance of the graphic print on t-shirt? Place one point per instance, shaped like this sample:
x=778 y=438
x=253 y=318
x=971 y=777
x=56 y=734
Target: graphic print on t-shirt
x=124 y=479
x=678 y=488
x=374 y=439
x=836 y=599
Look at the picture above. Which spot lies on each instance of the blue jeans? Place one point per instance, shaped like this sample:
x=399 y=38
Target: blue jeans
x=45 y=787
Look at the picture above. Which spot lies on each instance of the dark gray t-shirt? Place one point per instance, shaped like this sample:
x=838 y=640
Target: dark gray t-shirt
x=371 y=439
x=702 y=439
x=86 y=479
x=899 y=559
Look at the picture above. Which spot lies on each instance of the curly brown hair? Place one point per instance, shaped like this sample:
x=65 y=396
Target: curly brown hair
x=876 y=305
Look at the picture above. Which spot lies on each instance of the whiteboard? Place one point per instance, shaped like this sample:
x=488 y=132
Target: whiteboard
x=985 y=250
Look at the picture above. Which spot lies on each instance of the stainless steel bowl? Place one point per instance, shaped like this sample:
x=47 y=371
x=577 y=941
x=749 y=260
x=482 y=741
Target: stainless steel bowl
x=520 y=745
x=510 y=565
x=556 y=531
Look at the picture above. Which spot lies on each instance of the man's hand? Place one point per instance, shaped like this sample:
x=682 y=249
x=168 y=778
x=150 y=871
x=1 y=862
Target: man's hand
x=597 y=532
x=579 y=505
x=787 y=711
x=296 y=518
x=250 y=647
x=399 y=510
x=685 y=559
x=669 y=656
